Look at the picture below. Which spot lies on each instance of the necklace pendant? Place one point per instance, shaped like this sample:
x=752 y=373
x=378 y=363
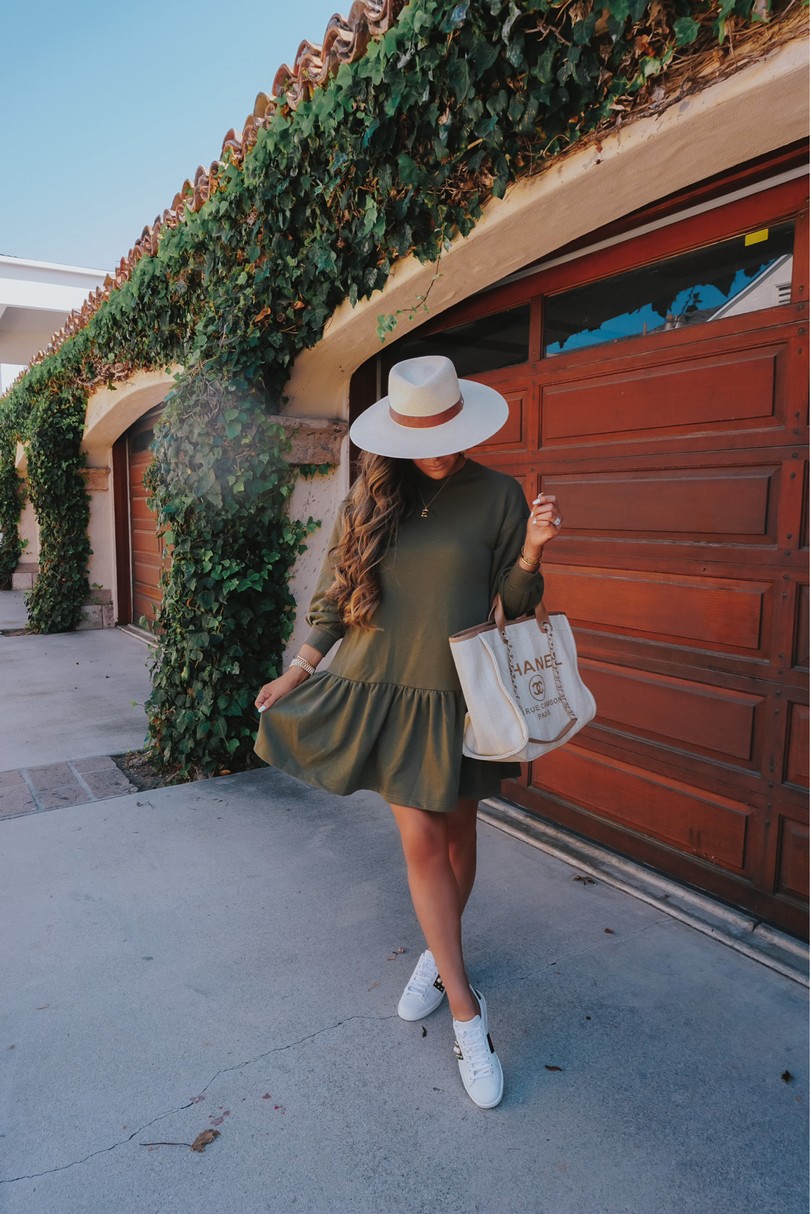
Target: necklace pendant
x=424 y=513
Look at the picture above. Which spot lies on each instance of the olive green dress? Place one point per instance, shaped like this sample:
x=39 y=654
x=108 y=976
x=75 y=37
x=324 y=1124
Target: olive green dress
x=389 y=713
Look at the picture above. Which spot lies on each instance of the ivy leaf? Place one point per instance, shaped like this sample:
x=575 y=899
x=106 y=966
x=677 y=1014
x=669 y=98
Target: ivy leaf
x=325 y=260
x=514 y=13
x=409 y=172
x=482 y=53
x=619 y=11
x=686 y=31
x=583 y=30
x=459 y=79
x=370 y=215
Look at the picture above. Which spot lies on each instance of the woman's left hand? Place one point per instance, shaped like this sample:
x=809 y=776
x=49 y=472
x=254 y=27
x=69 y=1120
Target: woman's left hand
x=544 y=524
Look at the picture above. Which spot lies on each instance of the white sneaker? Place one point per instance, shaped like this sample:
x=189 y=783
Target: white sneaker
x=480 y=1067
x=424 y=990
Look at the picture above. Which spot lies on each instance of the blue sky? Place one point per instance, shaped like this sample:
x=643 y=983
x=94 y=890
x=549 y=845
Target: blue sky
x=105 y=108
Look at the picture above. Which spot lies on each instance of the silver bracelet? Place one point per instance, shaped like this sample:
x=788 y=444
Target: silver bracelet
x=302 y=664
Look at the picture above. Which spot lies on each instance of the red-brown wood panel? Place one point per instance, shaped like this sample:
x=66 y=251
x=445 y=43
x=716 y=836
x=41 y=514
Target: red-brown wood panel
x=709 y=613
x=145 y=547
x=522 y=401
x=139 y=555
x=710 y=392
x=794 y=859
x=674 y=812
x=804 y=520
x=700 y=718
x=801 y=632
x=732 y=504
x=797 y=769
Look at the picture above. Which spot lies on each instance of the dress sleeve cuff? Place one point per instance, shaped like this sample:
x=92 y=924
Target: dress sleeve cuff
x=521 y=591
x=322 y=640
x=522 y=579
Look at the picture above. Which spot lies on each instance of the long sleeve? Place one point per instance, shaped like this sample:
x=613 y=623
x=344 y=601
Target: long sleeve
x=326 y=628
x=520 y=590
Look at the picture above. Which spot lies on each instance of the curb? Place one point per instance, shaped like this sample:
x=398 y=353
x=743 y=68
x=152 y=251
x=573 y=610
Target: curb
x=784 y=954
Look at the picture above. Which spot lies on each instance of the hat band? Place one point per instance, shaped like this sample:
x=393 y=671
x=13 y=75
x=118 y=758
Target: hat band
x=425 y=423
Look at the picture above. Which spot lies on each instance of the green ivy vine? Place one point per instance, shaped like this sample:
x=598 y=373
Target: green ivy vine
x=11 y=501
x=62 y=506
x=394 y=157
x=220 y=486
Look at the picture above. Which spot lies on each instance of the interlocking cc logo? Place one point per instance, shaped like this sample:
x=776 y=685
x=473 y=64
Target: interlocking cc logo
x=537 y=687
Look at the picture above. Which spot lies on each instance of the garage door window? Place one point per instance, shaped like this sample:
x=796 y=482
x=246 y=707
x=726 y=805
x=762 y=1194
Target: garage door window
x=488 y=344
x=745 y=274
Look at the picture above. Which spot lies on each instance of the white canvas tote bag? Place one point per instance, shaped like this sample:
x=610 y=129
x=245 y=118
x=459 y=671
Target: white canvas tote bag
x=522 y=686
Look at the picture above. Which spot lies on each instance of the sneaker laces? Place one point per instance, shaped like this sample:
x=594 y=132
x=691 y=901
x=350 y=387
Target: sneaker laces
x=423 y=976
x=473 y=1048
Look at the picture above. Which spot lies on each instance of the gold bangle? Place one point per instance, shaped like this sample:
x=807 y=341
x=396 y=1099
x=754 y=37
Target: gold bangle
x=531 y=565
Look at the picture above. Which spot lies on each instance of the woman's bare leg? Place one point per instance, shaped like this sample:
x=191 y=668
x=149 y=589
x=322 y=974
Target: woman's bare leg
x=463 y=840
x=437 y=899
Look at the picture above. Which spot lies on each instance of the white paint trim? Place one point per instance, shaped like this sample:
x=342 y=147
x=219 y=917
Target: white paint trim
x=28 y=295
x=25 y=263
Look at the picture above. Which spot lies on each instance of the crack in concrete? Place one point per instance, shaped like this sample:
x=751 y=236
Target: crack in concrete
x=279 y=1049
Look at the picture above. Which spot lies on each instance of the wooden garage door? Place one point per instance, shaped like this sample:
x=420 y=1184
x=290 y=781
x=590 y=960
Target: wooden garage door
x=680 y=459
x=683 y=570
x=138 y=551
x=679 y=455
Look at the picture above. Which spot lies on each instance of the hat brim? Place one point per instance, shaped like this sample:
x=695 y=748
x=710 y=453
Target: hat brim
x=484 y=413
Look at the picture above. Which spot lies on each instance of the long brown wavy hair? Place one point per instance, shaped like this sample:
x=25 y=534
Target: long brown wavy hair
x=379 y=498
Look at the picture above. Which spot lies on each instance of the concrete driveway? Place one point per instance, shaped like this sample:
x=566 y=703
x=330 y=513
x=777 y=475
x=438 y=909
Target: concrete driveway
x=228 y=955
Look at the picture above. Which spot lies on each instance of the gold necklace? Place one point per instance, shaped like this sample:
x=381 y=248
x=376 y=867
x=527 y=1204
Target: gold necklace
x=426 y=505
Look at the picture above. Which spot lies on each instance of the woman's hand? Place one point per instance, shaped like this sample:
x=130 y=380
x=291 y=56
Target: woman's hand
x=544 y=524
x=274 y=691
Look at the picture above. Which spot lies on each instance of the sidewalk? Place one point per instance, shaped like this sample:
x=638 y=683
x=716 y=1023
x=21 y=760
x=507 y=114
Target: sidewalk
x=225 y=955
x=68 y=696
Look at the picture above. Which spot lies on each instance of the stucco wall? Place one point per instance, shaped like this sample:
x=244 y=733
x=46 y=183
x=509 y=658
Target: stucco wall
x=319 y=499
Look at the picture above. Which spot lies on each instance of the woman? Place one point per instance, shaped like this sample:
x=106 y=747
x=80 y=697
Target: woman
x=422 y=544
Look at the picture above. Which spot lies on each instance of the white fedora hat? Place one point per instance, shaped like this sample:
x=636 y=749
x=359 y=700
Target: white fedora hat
x=429 y=411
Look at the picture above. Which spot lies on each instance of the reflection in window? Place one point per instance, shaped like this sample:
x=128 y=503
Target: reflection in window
x=728 y=279
x=495 y=341
x=141 y=441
